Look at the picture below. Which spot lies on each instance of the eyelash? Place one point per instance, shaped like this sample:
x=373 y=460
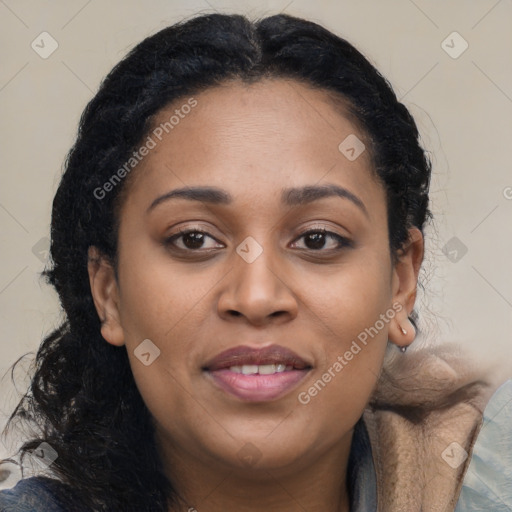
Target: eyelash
x=343 y=242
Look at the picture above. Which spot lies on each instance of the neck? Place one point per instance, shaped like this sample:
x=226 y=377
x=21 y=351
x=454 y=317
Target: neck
x=306 y=484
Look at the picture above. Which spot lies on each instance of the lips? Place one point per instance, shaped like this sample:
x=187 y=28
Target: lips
x=257 y=374
x=243 y=355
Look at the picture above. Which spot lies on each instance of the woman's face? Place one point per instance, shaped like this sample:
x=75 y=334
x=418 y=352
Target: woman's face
x=269 y=156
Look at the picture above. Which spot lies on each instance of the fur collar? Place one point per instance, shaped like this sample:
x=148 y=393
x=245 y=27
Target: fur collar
x=423 y=420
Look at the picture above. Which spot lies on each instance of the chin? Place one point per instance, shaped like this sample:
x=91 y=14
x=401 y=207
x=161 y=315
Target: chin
x=261 y=453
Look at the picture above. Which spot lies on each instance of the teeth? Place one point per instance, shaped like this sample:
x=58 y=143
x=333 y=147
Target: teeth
x=262 y=369
x=249 y=369
x=267 y=369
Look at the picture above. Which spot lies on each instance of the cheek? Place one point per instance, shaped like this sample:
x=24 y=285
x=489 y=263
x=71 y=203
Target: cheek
x=342 y=384
x=350 y=297
x=167 y=305
x=339 y=393
x=352 y=312
x=169 y=397
x=157 y=294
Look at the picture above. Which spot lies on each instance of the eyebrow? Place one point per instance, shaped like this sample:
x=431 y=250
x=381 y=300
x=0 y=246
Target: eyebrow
x=310 y=193
x=297 y=196
x=211 y=195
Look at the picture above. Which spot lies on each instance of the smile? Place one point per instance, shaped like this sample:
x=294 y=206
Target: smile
x=257 y=375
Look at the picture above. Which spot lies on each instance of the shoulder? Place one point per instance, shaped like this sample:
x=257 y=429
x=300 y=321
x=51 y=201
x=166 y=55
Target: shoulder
x=433 y=379
x=35 y=494
x=428 y=406
x=488 y=482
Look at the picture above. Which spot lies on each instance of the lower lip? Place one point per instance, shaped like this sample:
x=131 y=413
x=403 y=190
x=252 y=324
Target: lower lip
x=256 y=387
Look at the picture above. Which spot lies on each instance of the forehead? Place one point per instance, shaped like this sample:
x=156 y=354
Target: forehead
x=255 y=139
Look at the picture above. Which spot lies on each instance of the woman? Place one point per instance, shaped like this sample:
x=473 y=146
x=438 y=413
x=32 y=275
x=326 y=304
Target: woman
x=236 y=243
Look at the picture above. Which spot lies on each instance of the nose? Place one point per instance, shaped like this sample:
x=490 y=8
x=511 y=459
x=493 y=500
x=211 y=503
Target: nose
x=258 y=292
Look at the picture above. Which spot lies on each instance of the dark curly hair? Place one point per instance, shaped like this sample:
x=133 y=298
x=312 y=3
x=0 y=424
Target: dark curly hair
x=82 y=395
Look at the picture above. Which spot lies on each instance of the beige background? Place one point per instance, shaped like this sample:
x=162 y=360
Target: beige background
x=463 y=107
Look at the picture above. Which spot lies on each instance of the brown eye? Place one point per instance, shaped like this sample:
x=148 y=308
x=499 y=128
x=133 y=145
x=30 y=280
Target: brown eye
x=318 y=239
x=315 y=240
x=192 y=240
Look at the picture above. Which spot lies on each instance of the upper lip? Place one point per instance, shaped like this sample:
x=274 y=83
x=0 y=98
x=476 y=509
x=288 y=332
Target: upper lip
x=244 y=355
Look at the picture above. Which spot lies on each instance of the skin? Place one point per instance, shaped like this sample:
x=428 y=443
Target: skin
x=252 y=141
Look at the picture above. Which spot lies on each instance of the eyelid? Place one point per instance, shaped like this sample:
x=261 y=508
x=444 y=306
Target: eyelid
x=344 y=241
x=169 y=240
x=193 y=229
x=325 y=228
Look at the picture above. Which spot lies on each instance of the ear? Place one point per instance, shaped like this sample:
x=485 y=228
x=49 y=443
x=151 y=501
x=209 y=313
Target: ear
x=105 y=295
x=404 y=284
